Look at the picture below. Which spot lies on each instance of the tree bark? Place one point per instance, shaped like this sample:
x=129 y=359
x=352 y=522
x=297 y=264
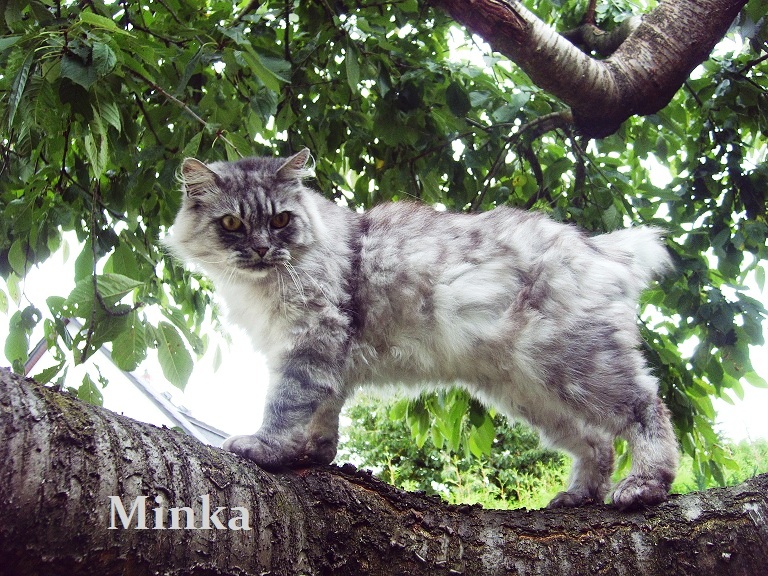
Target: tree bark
x=640 y=77
x=61 y=460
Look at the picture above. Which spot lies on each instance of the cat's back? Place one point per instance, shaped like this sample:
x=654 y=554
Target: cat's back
x=433 y=282
x=416 y=232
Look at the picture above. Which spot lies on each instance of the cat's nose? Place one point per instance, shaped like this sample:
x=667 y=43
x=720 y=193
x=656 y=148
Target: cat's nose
x=261 y=251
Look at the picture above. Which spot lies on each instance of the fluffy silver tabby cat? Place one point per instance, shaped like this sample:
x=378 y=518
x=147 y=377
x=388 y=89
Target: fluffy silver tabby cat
x=533 y=317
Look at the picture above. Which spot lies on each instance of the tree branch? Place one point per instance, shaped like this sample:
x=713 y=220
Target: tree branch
x=640 y=77
x=592 y=38
x=62 y=460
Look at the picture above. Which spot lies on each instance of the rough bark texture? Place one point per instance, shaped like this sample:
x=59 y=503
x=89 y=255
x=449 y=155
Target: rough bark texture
x=640 y=77
x=60 y=460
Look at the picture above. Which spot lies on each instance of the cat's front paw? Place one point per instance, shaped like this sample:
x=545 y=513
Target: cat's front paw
x=276 y=451
x=638 y=492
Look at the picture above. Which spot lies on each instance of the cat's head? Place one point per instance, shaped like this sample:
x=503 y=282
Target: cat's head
x=243 y=218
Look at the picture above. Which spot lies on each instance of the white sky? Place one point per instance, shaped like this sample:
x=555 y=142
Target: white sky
x=231 y=398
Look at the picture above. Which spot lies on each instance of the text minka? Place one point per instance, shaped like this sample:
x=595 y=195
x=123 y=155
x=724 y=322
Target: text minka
x=176 y=518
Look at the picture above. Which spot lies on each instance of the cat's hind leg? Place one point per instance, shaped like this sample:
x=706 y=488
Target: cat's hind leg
x=592 y=454
x=655 y=456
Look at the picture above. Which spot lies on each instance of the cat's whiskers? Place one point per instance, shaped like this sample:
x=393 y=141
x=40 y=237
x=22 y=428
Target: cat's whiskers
x=222 y=261
x=283 y=290
x=232 y=271
x=314 y=281
x=296 y=281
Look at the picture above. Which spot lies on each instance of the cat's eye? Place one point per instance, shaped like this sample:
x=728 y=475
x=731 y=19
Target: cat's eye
x=231 y=223
x=280 y=220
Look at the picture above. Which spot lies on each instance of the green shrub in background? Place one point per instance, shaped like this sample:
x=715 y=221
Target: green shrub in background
x=516 y=472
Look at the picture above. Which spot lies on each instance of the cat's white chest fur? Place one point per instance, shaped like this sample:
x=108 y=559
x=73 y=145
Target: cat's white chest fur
x=262 y=317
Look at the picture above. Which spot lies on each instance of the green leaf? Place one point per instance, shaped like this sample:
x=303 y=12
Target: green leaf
x=352 y=66
x=111 y=114
x=175 y=316
x=104 y=59
x=97 y=147
x=217 y=359
x=112 y=288
x=481 y=438
x=3 y=302
x=17 y=258
x=457 y=100
x=74 y=69
x=175 y=360
x=84 y=262
x=89 y=392
x=756 y=380
x=130 y=347
x=47 y=374
x=98 y=21
x=123 y=262
x=437 y=437
x=399 y=409
x=190 y=150
x=264 y=74
x=18 y=86
x=14 y=290
x=17 y=342
x=8 y=41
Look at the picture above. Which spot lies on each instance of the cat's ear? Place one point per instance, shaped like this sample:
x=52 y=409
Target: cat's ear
x=295 y=168
x=197 y=178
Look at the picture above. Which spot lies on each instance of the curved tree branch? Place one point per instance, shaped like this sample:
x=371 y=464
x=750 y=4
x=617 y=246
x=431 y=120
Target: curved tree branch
x=592 y=38
x=63 y=463
x=640 y=77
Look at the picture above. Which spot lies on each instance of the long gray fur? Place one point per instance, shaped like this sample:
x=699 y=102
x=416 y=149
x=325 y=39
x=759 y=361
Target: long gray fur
x=533 y=317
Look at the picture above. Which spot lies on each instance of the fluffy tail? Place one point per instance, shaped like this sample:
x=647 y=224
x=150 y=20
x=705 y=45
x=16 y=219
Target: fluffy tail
x=641 y=249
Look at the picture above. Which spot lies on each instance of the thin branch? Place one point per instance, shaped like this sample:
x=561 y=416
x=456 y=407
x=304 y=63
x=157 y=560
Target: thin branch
x=533 y=129
x=252 y=5
x=526 y=151
x=183 y=106
x=755 y=62
x=63 y=170
x=287 y=37
x=110 y=311
x=92 y=321
x=590 y=14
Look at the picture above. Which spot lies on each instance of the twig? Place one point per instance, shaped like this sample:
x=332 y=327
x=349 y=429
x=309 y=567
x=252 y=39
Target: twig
x=534 y=129
x=183 y=106
x=109 y=311
x=590 y=14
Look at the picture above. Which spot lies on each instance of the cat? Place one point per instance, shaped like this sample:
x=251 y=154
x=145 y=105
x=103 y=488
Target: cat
x=533 y=317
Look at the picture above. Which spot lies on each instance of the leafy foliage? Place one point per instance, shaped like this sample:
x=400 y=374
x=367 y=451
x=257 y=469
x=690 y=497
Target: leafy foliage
x=516 y=473
x=749 y=458
x=100 y=101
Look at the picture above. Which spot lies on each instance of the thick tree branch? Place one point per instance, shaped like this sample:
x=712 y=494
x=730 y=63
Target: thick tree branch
x=640 y=77
x=592 y=38
x=62 y=460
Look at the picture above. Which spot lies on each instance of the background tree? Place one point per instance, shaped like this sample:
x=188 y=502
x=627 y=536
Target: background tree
x=100 y=101
x=406 y=445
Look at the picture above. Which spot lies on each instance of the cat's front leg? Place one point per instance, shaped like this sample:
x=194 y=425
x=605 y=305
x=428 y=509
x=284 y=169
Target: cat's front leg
x=301 y=422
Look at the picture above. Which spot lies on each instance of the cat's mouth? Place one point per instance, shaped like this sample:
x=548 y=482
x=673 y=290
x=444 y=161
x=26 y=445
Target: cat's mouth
x=258 y=266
